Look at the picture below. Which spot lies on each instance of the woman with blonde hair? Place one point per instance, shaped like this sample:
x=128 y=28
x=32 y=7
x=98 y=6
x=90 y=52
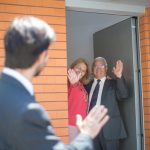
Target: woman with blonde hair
x=78 y=76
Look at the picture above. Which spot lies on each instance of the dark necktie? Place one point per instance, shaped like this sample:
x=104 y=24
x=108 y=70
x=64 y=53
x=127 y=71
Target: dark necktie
x=94 y=96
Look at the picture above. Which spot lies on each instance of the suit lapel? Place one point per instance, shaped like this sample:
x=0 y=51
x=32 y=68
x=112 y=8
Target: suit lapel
x=104 y=92
x=89 y=86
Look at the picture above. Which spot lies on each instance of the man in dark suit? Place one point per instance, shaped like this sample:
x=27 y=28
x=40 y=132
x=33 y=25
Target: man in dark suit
x=103 y=91
x=24 y=123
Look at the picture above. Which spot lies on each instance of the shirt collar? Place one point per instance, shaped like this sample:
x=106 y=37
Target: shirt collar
x=24 y=81
x=102 y=80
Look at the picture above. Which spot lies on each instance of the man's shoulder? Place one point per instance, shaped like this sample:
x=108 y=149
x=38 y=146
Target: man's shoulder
x=89 y=83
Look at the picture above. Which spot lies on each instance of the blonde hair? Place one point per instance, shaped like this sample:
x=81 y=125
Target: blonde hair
x=85 y=78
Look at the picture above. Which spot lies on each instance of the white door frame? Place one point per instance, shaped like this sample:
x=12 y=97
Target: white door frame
x=105 y=7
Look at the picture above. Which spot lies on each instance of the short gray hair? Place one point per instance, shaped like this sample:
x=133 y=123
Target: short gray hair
x=101 y=59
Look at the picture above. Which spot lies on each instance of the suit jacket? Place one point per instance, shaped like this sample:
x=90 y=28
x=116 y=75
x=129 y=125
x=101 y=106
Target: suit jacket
x=25 y=124
x=113 y=90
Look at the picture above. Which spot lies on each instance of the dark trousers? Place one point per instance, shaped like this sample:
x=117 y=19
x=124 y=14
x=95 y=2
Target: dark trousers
x=101 y=144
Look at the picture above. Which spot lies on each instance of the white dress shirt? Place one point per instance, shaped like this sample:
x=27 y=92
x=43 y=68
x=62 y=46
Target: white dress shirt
x=23 y=80
x=98 y=102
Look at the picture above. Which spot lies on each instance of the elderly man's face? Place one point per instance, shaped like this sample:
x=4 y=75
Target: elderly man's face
x=99 y=69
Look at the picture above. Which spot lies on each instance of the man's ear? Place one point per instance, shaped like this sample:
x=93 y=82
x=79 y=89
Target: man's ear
x=43 y=57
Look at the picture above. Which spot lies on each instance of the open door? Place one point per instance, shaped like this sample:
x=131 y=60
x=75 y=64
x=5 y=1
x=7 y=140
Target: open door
x=120 y=42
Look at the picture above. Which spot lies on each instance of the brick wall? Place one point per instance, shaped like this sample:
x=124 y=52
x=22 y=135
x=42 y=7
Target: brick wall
x=145 y=58
x=51 y=86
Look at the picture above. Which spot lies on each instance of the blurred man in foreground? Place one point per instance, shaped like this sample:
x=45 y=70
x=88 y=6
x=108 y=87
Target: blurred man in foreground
x=24 y=123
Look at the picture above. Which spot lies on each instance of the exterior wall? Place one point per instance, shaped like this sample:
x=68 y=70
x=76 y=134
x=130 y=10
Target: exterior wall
x=145 y=61
x=51 y=86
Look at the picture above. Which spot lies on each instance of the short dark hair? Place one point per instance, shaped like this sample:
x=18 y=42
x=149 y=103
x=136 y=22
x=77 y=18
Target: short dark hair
x=25 y=39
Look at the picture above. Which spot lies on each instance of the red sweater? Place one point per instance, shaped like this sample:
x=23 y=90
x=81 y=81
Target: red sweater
x=77 y=97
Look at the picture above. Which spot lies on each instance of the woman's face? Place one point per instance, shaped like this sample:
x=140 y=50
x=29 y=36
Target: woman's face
x=80 y=68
